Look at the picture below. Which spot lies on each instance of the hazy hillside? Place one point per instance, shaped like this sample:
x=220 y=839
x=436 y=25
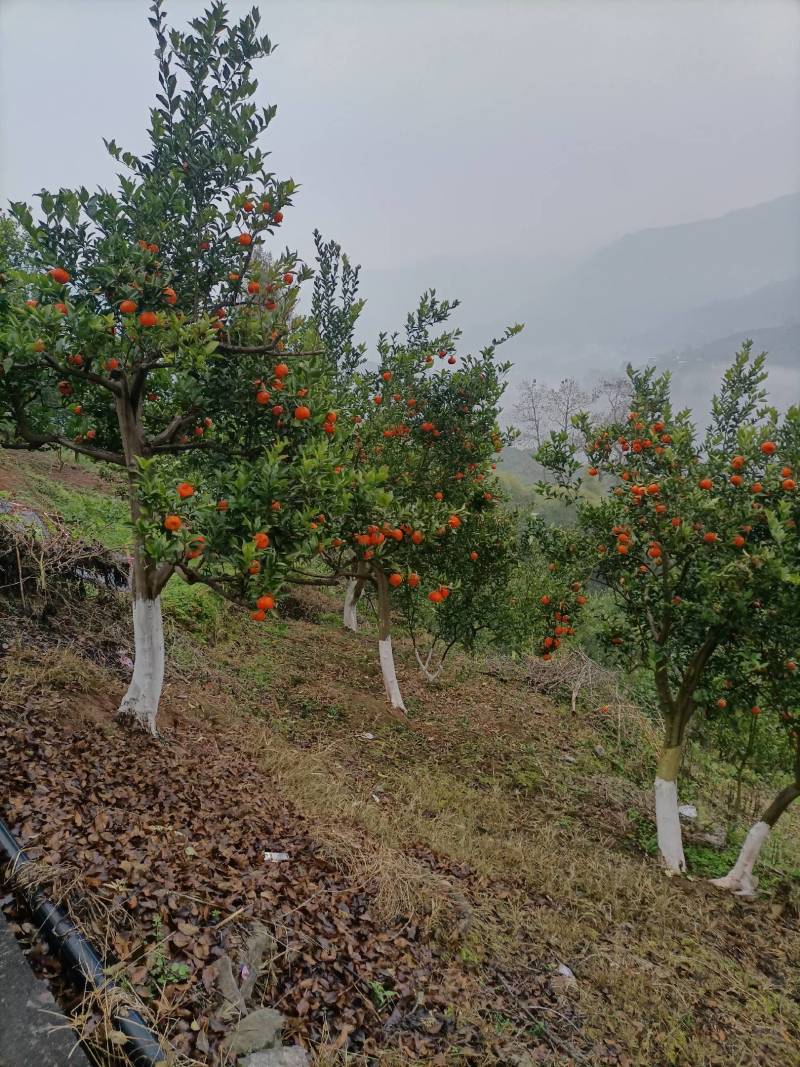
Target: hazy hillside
x=654 y=292
x=631 y=286
x=770 y=307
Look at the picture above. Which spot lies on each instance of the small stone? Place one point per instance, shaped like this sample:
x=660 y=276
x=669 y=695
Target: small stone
x=599 y=751
x=275 y=857
x=568 y=759
x=259 y=1030
x=291 y=1056
x=687 y=811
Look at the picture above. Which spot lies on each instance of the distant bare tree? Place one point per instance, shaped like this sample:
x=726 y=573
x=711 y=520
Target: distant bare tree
x=529 y=411
x=613 y=397
x=542 y=409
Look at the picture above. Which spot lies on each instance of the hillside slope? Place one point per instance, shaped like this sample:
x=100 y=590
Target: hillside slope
x=476 y=885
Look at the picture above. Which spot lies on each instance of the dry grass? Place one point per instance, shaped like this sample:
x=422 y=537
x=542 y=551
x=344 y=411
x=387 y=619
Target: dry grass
x=553 y=873
x=508 y=826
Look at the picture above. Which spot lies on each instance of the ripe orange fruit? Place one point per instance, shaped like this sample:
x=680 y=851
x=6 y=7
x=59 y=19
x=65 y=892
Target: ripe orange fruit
x=173 y=523
x=258 y=616
x=222 y=505
x=395 y=580
x=77 y=409
x=128 y=307
x=262 y=396
x=545 y=600
x=261 y=540
x=288 y=278
x=281 y=370
x=233 y=276
x=245 y=239
x=738 y=462
x=418 y=537
x=676 y=522
x=185 y=490
x=253 y=287
x=593 y=472
x=254 y=567
x=435 y=596
x=377 y=399
x=769 y=448
x=62 y=308
x=413 y=580
x=722 y=703
x=91 y=434
x=738 y=541
x=790 y=665
x=473 y=556
x=705 y=483
x=278 y=217
x=266 y=602
x=653 y=488
x=789 y=484
x=148 y=318
x=247 y=206
x=736 y=479
x=756 y=710
x=302 y=412
x=756 y=487
x=111 y=364
x=654 y=551
x=387 y=376
x=444 y=591
x=438 y=495
x=58 y=274
x=454 y=522
x=710 y=537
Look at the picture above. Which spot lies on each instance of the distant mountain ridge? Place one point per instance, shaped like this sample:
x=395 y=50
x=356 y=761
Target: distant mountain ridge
x=630 y=287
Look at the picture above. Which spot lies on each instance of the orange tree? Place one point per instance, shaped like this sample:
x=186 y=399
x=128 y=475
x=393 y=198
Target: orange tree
x=696 y=545
x=426 y=428
x=145 y=338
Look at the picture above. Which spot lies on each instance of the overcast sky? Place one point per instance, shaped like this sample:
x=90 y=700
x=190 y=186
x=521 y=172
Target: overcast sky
x=421 y=128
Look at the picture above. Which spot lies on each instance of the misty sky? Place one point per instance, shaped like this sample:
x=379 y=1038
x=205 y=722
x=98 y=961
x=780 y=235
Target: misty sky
x=446 y=127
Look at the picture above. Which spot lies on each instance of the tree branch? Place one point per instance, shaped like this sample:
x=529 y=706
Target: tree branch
x=85 y=376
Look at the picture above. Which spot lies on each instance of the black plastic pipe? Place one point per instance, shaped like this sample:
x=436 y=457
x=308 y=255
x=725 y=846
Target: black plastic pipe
x=143 y=1048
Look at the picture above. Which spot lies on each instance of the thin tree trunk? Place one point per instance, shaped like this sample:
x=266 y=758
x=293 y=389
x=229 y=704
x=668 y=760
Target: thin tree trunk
x=668 y=822
x=385 y=642
x=737 y=805
x=739 y=879
x=355 y=587
x=144 y=692
x=142 y=698
x=350 y=610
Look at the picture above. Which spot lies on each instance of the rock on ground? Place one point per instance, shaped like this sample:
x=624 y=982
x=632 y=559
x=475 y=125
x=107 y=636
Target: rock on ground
x=292 y=1056
x=260 y=1029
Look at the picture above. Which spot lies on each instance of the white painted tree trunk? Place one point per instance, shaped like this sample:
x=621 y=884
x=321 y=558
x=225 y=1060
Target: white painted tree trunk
x=668 y=825
x=389 y=673
x=739 y=879
x=350 y=612
x=144 y=692
x=668 y=821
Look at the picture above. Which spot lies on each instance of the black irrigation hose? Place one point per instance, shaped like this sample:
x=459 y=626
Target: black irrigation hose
x=143 y=1048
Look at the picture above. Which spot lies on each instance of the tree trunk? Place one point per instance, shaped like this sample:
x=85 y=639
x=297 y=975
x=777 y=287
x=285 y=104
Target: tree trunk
x=355 y=587
x=385 y=642
x=739 y=879
x=668 y=823
x=144 y=692
x=350 y=610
